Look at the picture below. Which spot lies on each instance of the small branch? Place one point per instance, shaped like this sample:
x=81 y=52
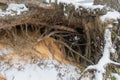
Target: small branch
x=115 y=63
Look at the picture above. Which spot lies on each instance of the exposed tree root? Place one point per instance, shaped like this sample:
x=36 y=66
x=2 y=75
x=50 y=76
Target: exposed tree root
x=99 y=70
x=79 y=34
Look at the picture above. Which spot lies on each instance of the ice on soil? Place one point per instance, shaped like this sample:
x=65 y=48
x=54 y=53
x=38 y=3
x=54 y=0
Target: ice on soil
x=13 y=9
x=42 y=70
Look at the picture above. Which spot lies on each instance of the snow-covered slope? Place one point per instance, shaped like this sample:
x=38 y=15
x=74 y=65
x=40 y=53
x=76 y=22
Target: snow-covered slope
x=42 y=70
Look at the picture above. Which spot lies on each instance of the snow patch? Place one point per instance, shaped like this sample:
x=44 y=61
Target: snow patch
x=117 y=76
x=5 y=51
x=85 y=4
x=42 y=70
x=14 y=9
x=114 y=15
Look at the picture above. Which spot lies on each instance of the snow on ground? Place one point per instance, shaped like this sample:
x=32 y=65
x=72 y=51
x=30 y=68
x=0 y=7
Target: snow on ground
x=114 y=15
x=84 y=3
x=42 y=70
x=13 y=9
x=5 y=51
x=117 y=76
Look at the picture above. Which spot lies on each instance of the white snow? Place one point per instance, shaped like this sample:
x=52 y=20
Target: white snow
x=14 y=9
x=105 y=60
x=68 y=1
x=42 y=70
x=84 y=3
x=117 y=76
x=5 y=51
x=114 y=15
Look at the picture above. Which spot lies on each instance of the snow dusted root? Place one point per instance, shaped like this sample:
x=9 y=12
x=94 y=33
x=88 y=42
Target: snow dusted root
x=99 y=70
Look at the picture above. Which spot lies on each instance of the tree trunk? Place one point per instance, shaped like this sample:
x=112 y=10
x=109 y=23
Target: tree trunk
x=112 y=3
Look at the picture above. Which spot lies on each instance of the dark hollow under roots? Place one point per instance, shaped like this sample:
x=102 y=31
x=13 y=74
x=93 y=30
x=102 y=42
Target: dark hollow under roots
x=76 y=47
